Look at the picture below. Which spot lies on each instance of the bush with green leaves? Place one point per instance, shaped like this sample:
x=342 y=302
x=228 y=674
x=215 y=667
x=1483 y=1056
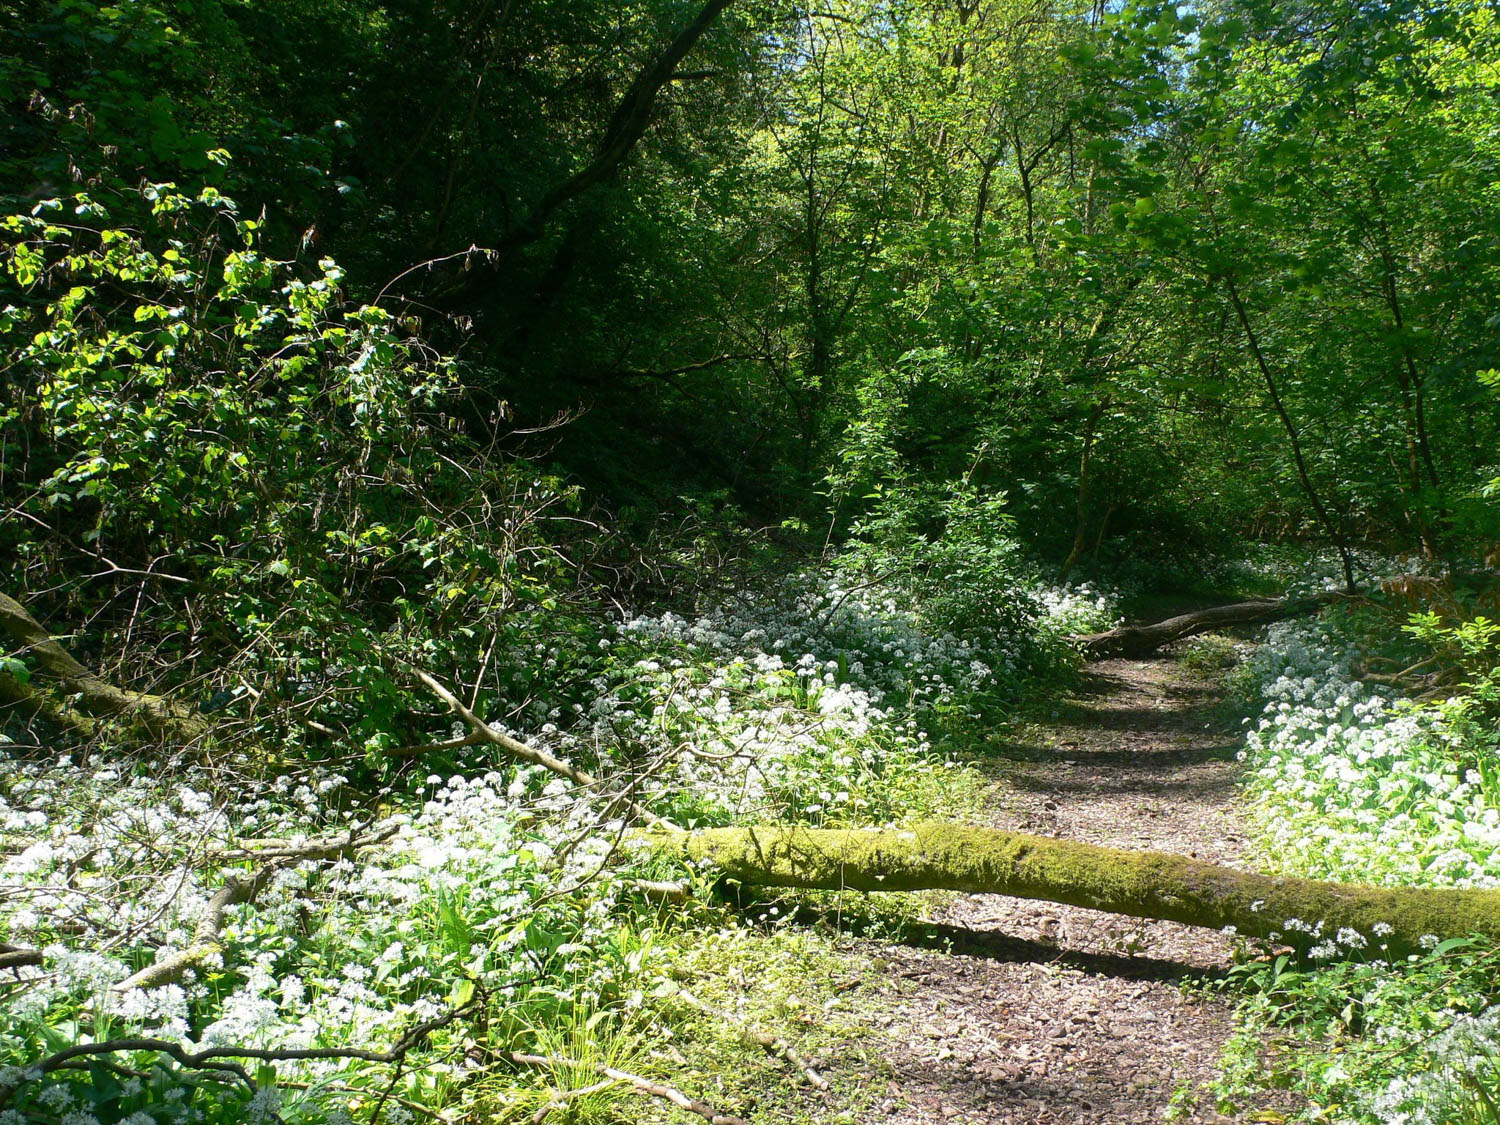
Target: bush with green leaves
x=1364 y=1040
x=501 y=891
x=258 y=494
x=948 y=556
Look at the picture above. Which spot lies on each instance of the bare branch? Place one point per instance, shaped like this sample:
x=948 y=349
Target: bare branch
x=773 y=1045
x=236 y=891
x=644 y=1086
x=530 y=754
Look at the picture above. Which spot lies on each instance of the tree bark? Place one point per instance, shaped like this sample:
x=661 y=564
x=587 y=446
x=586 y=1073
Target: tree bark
x=1081 y=516
x=1143 y=640
x=1297 y=912
x=626 y=126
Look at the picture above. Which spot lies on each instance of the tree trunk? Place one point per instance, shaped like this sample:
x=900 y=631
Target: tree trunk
x=1081 y=515
x=1324 y=517
x=1140 y=884
x=1143 y=640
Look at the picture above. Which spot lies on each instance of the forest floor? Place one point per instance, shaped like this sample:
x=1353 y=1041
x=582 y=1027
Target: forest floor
x=1029 y=1013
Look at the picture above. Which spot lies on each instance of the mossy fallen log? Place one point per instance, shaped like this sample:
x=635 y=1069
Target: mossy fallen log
x=86 y=695
x=1143 y=640
x=1298 y=912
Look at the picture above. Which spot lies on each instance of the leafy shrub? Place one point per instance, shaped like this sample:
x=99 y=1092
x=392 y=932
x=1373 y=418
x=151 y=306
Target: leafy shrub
x=502 y=888
x=1416 y=1043
x=1212 y=652
x=267 y=484
x=949 y=557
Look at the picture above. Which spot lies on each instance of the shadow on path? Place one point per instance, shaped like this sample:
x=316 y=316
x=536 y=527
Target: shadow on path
x=1001 y=947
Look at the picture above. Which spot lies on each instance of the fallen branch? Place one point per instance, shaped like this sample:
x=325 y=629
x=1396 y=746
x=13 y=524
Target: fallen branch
x=95 y=696
x=641 y=1085
x=518 y=749
x=18 y=957
x=653 y=890
x=237 y=890
x=326 y=847
x=1143 y=640
x=1142 y=884
x=223 y=1058
x=32 y=703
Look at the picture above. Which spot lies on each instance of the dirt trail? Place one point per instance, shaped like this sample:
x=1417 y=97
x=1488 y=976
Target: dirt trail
x=1043 y=1013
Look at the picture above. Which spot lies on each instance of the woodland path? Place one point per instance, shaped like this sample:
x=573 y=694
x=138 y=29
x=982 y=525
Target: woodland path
x=1044 y=1013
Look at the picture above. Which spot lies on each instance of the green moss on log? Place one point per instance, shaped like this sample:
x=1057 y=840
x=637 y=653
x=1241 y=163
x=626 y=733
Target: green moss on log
x=1137 y=883
x=89 y=696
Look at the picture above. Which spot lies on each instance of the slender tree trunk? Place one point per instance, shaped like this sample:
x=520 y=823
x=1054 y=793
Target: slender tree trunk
x=1081 y=526
x=1324 y=517
x=1413 y=397
x=1103 y=528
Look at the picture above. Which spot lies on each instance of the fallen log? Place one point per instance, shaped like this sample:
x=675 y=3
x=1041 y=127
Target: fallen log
x=1143 y=640
x=1300 y=913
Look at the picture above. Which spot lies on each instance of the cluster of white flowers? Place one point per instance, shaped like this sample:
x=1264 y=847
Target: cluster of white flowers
x=1349 y=784
x=1076 y=610
x=1352 y=785
x=104 y=872
x=1467 y=1057
x=877 y=643
x=807 y=703
x=803 y=707
x=811 y=706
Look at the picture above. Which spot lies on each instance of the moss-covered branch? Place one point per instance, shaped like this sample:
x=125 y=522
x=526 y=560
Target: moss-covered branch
x=1138 y=883
x=88 y=695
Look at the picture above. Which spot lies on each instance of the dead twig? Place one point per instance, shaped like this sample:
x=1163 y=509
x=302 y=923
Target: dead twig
x=773 y=1045
x=518 y=749
x=224 y=1058
x=237 y=890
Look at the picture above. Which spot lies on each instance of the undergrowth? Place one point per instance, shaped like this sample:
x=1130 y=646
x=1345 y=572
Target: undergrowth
x=492 y=904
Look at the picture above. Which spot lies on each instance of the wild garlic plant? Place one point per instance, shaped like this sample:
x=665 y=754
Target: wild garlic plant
x=497 y=881
x=1349 y=783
